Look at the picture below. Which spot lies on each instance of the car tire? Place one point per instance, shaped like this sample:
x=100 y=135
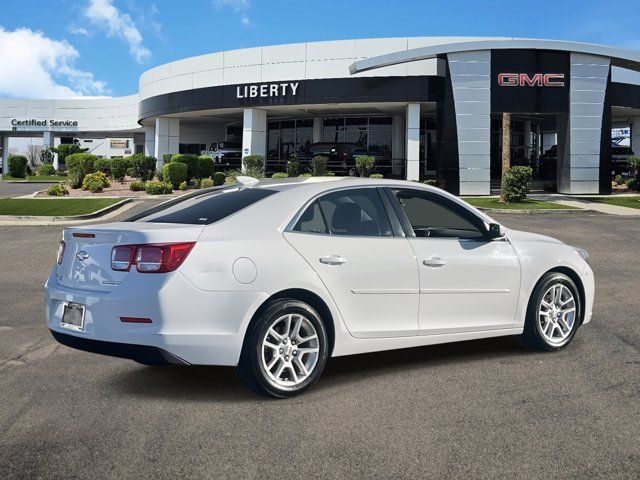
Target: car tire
x=553 y=314
x=285 y=350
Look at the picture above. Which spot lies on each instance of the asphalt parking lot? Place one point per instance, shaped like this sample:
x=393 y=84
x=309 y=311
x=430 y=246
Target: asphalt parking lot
x=481 y=409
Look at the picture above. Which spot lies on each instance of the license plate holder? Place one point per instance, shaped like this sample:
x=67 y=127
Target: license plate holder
x=73 y=317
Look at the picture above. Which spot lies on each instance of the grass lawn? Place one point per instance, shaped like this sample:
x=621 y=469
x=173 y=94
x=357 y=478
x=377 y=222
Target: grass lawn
x=53 y=206
x=38 y=178
x=631 y=202
x=527 y=204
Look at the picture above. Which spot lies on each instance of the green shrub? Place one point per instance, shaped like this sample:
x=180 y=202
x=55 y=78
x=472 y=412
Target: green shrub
x=166 y=158
x=218 y=178
x=136 y=186
x=305 y=175
x=158 y=188
x=280 y=175
x=182 y=186
x=293 y=166
x=618 y=180
x=365 y=164
x=79 y=165
x=143 y=167
x=330 y=174
x=253 y=166
x=174 y=173
x=46 y=169
x=207 y=182
x=93 y=179
x=318 y=165
x=206 y=166
x=102 y=165
x=378 y=175
x=230 y=176
x=18 y=166
x=67 y=149
x=190 y=160
x=94 y=186
x=431 y=182
x=517 y=184
x=550 y=187
x=119 y=169
x=632 y=184
x=57 y=190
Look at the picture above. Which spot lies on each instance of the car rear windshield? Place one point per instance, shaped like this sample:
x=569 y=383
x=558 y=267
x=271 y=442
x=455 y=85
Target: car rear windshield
x=208 y=208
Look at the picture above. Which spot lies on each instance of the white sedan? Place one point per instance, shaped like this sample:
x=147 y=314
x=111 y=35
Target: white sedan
x=274 y=278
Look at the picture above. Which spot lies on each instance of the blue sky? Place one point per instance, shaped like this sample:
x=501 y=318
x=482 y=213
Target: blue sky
x=65 y=48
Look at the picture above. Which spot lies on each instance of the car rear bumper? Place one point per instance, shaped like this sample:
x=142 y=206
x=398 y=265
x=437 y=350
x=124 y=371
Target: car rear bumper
x=146 y=354
x=195 y=326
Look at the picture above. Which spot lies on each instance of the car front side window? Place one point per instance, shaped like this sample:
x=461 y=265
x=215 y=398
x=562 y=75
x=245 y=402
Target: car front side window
x=435 y=217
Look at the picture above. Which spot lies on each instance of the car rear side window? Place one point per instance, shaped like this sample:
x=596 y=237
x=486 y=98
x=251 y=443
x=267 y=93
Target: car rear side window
x=311 y=221
x=208 y=208
x=357 y=212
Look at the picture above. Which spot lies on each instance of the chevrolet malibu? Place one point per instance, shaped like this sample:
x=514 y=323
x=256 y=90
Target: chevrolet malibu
x=274 y=278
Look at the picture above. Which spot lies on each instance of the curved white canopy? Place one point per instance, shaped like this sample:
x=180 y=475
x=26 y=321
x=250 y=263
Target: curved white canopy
x=620 y=57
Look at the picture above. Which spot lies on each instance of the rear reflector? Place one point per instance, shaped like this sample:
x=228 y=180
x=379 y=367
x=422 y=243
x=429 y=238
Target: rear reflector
x=135 y=320
x=84 y=235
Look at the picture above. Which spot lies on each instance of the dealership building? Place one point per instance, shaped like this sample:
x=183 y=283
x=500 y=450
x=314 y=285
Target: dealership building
x=426 y=107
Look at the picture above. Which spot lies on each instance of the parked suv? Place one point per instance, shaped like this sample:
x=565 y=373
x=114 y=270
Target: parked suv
x=341 y=155
x=224 y=152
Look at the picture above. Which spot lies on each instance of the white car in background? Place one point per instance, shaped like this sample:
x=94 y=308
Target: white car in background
x=274 y=278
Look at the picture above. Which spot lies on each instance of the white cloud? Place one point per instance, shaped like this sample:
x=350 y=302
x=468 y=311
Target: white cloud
x=35 y=66
x=103 y=14
x=78 y=30
x=238 y=6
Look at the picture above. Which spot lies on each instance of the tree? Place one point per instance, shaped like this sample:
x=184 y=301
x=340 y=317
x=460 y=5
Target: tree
x=66 y=149
x=506 y=152
x=33 y=154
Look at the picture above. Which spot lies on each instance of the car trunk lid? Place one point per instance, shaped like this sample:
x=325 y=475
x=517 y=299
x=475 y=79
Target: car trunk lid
x=86 y=263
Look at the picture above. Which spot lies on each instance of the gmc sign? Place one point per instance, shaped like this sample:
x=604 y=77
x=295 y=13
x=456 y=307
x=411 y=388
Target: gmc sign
x=535 y=80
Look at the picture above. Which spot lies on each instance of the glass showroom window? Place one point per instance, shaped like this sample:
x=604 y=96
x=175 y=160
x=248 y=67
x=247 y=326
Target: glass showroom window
x=373 y=133
x=287 y=137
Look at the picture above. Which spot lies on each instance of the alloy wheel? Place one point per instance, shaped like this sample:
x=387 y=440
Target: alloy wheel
x=557 y=314
x=290 y=350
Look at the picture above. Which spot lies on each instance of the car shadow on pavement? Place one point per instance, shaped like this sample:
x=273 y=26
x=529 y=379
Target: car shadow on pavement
x=207 y=383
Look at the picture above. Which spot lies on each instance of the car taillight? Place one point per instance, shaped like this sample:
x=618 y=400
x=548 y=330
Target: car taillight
x=61 y=246
x=150 y=258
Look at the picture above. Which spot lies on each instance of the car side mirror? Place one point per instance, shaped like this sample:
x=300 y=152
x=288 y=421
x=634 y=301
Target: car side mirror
x=495 y=230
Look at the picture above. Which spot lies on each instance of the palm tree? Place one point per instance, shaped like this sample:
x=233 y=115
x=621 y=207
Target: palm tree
x=506 y=151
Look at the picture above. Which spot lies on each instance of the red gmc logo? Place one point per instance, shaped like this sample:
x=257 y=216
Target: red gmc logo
x=536 y=80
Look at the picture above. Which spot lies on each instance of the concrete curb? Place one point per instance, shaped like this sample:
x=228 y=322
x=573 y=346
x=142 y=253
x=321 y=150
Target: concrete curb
x=541 y=211
x=106 y=212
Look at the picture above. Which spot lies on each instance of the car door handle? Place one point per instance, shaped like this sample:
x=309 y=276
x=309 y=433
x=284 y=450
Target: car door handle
x=434 y=262
x=333 y=260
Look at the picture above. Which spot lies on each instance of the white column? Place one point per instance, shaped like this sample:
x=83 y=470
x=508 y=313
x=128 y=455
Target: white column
x=47 y=142
x=397 y=144
x=149 y=141
x=5 y=155
x=166 y=138
x=317 y=129
x=635 y=135
x=254 y=133
x=413 y=141
x=579 y=172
